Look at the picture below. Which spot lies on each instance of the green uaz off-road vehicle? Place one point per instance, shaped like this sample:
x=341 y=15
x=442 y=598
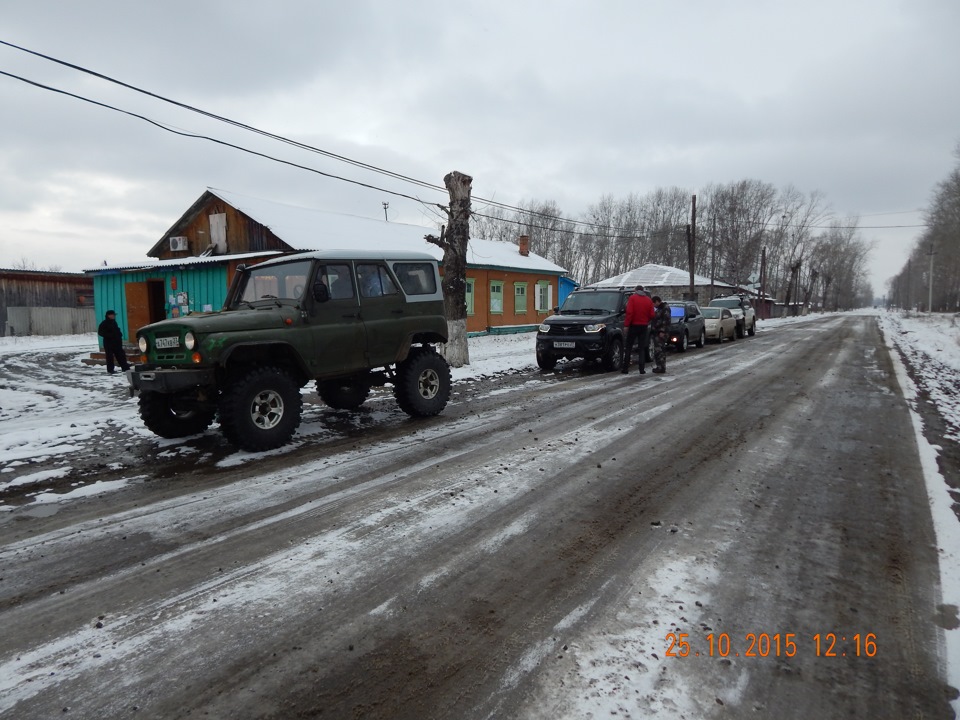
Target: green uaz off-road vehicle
x=348 y=320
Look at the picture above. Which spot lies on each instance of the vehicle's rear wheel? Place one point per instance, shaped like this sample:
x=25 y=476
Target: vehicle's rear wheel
x=546 y=360
x=422 y=385
x=343 y=394
x=702 y=340
x=261 y=411
x=168 y=416
x=613 y=358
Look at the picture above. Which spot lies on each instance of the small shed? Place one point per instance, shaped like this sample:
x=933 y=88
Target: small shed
x=38 y=302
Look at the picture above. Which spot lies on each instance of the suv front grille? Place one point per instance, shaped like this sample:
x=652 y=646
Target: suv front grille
x=566 y=329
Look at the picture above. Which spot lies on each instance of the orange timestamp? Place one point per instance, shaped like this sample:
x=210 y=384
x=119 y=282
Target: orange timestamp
x=773 y=645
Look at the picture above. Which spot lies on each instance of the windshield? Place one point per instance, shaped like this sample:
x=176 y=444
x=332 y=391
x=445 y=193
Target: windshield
x=711 y=313
x=676 y=313
x=726 y=302
x=591 y=303
x=284 y=281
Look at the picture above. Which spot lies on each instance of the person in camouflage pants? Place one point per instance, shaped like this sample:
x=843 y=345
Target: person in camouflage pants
x=659 y=327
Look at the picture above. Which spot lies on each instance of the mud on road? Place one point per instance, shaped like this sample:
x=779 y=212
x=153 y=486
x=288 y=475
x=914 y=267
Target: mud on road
x=529 y=553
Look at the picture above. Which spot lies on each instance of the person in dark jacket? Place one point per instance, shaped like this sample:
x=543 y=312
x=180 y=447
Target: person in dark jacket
x=637 y=323
x=113 y=342
x=659 y=326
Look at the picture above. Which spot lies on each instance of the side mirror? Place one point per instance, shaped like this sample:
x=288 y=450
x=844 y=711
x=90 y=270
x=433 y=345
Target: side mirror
x=321 y=293
x=556 y=309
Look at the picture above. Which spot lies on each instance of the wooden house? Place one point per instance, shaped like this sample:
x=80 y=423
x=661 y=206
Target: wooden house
x=192 y=264
x=38 y=302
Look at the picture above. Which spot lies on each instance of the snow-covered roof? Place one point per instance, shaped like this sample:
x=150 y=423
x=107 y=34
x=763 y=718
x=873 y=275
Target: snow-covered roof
x=310 y=229
x=653 y=275
x=151 y=263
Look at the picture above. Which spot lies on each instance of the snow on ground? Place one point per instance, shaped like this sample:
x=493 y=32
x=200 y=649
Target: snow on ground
x=45 y=420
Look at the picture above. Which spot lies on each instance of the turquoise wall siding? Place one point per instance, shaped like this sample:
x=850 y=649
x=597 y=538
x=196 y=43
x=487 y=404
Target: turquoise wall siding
x=204 y=285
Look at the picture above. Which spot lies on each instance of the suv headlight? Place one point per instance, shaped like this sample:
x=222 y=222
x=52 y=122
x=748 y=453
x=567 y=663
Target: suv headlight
x=142 y=344
x=544 y=328
x=189 y=340
x=591 y=328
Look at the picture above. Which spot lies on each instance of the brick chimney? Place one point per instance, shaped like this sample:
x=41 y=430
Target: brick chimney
x=524 y=243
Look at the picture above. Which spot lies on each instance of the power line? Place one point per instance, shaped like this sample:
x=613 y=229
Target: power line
x=350 y=161
x=206 y=137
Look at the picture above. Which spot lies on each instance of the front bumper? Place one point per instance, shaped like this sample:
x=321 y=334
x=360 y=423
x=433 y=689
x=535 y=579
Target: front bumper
x=169 y=380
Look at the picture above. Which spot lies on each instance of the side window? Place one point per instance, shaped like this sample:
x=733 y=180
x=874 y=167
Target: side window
x=470 y=283
x=374 y=280
x=520 y=298
x=416 y=278
x=338 y=281
x=543 y=296
x=496 y=296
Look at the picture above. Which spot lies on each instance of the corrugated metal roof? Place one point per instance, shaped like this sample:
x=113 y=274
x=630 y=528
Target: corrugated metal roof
x=151 y=263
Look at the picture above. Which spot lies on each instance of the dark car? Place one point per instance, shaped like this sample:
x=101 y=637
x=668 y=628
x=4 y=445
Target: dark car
x=686 y=325
x=589 y=325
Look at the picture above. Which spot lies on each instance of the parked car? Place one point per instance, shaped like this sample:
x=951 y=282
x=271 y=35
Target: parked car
x=686 y=325
x=742 y=310
x=719 y=323
x=588 y=325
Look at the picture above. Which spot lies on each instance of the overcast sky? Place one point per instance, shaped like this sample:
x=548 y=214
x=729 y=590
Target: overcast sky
x=564 y=101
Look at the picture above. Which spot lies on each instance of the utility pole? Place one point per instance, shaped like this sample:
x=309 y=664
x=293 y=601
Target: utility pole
x=763 y=280
x=909 y=262
x=385 y=206
x=713 y=257
x=692 y=246
x=930 y=284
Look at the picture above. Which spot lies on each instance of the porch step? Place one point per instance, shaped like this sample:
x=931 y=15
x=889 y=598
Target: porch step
x=100 y=357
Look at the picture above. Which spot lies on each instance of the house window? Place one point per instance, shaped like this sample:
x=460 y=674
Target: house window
x=496 y=297
x=520 y=298
x=544 y=299
x=469 y=294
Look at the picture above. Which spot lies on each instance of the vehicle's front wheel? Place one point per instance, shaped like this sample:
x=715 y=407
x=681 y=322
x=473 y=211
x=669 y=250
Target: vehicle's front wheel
x=343 y=394
x=546 y=360
x=422 y=385
x=753 y=329
x=165 y=415
x=684 y=342
x=702 y=340
x=740 y=331
x=261 y=410
x=613 y=359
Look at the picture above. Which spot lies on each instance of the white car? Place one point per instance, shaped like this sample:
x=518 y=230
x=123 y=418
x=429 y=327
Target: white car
x=719 y=323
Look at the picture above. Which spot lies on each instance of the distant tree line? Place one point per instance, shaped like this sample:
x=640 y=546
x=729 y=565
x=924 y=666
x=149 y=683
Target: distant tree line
x=811 y=257
x=938 y=248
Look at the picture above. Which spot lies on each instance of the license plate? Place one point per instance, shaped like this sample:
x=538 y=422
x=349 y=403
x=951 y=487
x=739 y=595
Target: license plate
x=559 y=344
x=168 y=342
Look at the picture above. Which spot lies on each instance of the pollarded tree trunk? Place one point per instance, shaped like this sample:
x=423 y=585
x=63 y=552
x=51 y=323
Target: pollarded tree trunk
x=453 y=240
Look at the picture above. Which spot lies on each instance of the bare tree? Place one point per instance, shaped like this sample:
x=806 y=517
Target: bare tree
x=453 y=240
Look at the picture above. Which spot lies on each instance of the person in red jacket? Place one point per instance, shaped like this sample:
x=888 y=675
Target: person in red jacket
x=640 y=312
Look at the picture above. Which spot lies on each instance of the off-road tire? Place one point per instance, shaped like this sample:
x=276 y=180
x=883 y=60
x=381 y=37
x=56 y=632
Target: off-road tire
x=422 y=383
x=343 y=394
x=613 y=358
x=546 y=361
x=261 y=409
x=702 y=340
x=161 y=414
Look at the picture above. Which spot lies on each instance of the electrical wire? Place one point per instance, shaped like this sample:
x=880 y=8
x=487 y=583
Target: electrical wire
x=350 y=161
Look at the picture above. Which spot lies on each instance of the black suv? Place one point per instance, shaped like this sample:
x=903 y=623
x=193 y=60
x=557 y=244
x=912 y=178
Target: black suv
x=588 y=325
x=686 y=325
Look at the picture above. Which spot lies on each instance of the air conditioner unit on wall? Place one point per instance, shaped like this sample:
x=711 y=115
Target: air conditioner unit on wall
x=178 y=242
